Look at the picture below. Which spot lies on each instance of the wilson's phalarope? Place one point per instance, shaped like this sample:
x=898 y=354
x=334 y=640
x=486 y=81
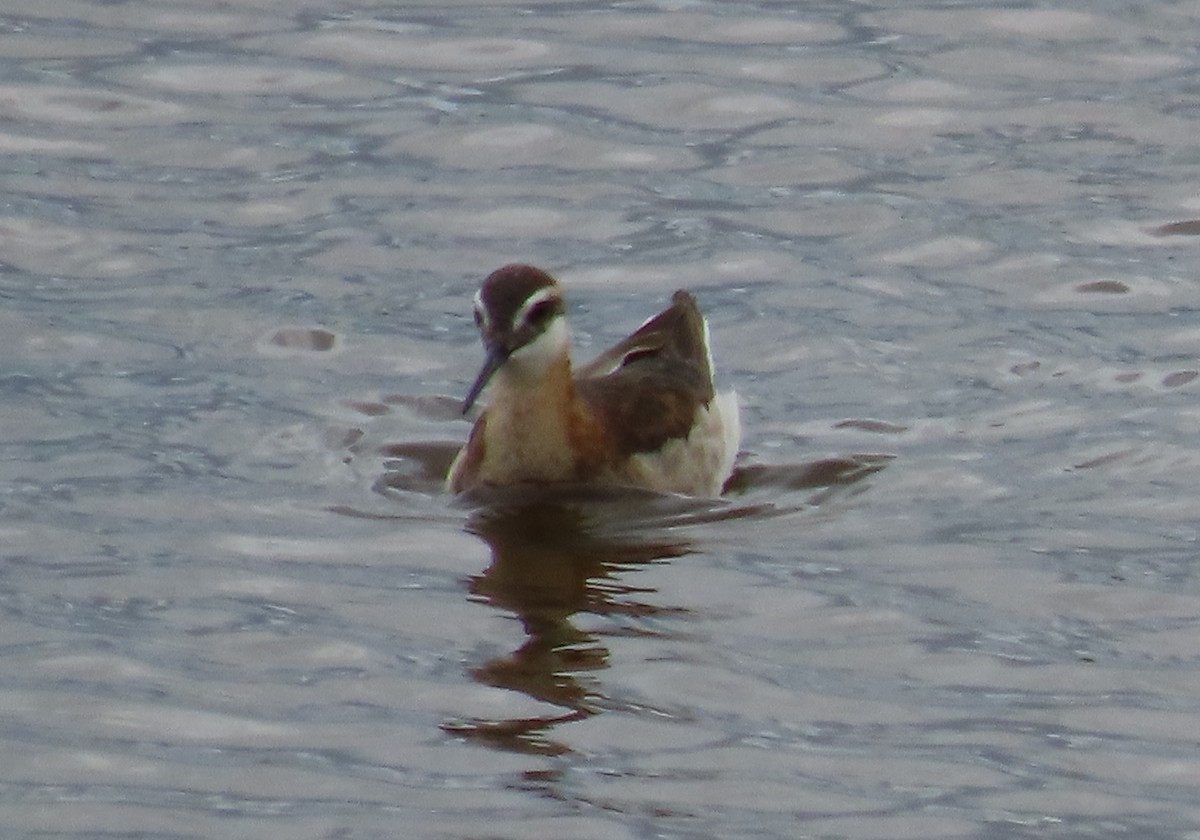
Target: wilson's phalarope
x=643 y=414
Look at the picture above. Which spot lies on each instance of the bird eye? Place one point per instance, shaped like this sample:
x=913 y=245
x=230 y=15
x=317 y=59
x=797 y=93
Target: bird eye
x=541 y=313
x=478 y=319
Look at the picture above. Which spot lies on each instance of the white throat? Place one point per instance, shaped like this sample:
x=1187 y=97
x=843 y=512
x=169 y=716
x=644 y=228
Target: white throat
x=533 y=360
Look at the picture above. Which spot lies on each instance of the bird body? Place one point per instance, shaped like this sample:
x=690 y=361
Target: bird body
x=643 y=414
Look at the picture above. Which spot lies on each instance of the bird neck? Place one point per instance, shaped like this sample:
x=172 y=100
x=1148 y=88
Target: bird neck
x=530 y=426
x=526 y=389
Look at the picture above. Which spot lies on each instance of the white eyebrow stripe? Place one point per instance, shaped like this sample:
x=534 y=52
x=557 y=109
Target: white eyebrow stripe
x=535 y=299
x=480 y=308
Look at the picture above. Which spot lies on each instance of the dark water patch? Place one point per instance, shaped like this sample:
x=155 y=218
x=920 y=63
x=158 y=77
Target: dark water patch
x=1107 y=287
x=877 y=426
x=1191 y=227
x=1179 y=378
x=299 y=338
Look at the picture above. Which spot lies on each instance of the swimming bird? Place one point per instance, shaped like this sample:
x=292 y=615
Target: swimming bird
x=643 y=414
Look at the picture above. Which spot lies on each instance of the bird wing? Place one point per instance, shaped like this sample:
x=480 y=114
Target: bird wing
x=649 y=386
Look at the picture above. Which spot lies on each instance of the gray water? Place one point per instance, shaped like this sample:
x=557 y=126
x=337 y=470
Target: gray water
x=948 y=254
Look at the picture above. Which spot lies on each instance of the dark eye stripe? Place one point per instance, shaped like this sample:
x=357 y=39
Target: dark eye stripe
x=543 y=312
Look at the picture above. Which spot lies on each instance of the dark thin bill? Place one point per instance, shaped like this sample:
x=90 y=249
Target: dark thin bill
x=491 y=363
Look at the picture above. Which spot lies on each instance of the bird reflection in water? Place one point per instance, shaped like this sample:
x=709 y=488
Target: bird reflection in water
x=550 y=561
x=559 y=552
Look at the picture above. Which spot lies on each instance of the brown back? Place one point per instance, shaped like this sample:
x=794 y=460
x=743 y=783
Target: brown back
x=647 y=388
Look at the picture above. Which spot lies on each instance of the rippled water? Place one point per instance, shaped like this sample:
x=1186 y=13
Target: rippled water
x=949 y=259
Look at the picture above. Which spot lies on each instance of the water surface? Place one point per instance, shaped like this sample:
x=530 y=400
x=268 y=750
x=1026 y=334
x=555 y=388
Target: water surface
x=948 y=256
